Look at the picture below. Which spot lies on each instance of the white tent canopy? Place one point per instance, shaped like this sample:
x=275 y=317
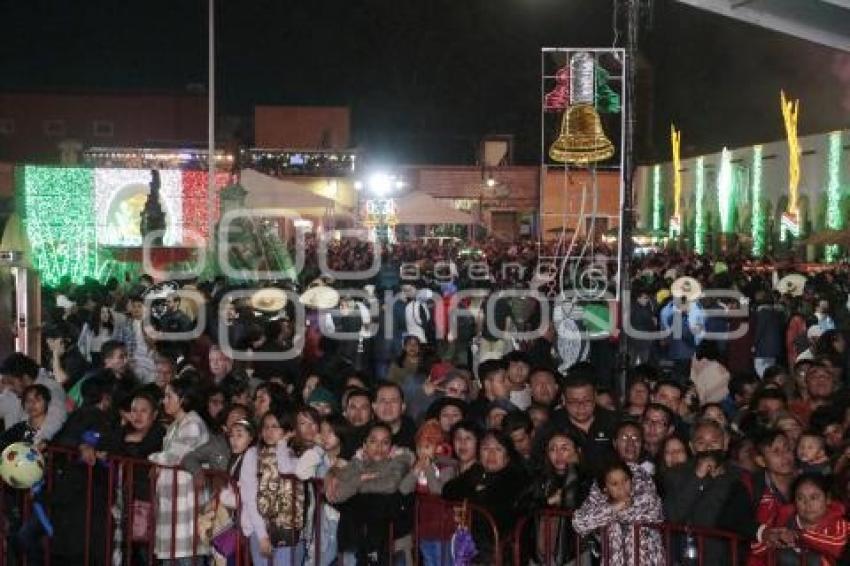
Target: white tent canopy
x=421 y=208
x=265 y=191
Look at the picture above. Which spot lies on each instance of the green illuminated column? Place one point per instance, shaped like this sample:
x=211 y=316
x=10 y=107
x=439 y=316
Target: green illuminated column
x=726 y=198
x=657 y=202
x=834 y=220
x=759 y=219
x=699 y=221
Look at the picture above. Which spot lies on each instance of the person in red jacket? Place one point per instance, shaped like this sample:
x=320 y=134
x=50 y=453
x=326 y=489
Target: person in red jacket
x=810 y=531
x=771 y=489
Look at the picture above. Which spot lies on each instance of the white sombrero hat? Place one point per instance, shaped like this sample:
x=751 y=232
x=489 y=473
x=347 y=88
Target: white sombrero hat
x=269 y=299
x=792 y=284
x=320 y=297
x=686 y=288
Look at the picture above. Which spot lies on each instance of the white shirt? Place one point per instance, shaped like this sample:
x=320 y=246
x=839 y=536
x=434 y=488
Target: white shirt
x=142 y=361
x=414 y=321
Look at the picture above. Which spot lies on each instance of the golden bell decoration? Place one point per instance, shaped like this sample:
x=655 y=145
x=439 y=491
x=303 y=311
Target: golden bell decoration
x=582 y=140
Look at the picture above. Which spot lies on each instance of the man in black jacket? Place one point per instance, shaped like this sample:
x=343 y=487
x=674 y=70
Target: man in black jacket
x=591 y=425
x=708 y=492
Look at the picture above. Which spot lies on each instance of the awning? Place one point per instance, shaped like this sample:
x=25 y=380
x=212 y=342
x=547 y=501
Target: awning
x=265 y=191
x=421 y=208
x=826 y=22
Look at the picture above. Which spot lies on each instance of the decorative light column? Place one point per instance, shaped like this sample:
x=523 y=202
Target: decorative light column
x=791 y=217
x=834 y=219
x=657 y=203
x=725 y=193
x=759 y=219
x=676 y=145
x=699 y=208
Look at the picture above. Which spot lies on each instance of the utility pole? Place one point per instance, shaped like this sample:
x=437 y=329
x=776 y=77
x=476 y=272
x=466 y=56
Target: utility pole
x=211 y=188
x=632 y=8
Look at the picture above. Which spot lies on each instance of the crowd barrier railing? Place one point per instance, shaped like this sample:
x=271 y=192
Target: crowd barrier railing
x=547 y=538
x=801 y=554
x=690 y=545
x=118 y=503
x=108 y=500
x=436 y=521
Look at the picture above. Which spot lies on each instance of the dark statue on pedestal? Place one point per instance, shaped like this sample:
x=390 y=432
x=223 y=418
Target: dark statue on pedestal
x=153 y=217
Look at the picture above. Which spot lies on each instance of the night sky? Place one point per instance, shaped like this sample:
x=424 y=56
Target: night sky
x=426 y=79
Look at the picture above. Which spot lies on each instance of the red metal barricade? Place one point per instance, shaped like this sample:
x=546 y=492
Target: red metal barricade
x=801 y=553
x=433 y=510
x=548 y=539
x=128 y=486
x=118 y=495
x=685 y=544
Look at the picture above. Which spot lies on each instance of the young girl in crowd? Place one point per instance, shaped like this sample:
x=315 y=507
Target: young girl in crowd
x=812 y=530
x=616 y=515
x=99 y=329
x=142 y=435
x=432 y=469
x=307 y=421
x=366 y=491
x=559 y=486
x=465 y=437
x=315 y=463
x=272 y=506
x=221 y=510
x=674 y=452
x=35 y=401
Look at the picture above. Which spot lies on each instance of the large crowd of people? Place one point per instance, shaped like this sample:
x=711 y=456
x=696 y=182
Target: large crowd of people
x=733 y=414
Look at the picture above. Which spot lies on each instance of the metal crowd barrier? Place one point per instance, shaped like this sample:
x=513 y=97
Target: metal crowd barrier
x=444 y=513
x=544 y=538
x=121 y=476
x=547 y=538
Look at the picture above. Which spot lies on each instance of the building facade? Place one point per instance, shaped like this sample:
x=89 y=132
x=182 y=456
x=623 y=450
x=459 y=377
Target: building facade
x=53 y=128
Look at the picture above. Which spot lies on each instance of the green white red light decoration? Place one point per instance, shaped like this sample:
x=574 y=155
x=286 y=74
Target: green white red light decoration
x=71 y=213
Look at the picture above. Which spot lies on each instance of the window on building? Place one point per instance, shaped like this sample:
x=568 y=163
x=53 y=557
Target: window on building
x=103 y=128
x=7 y=126
x=54 y=128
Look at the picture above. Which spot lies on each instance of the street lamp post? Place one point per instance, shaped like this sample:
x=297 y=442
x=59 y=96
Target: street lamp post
x=627 y=210
x=211 y=129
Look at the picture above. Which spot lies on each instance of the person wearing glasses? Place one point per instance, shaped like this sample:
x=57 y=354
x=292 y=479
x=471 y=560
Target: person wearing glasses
x=591 y=425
